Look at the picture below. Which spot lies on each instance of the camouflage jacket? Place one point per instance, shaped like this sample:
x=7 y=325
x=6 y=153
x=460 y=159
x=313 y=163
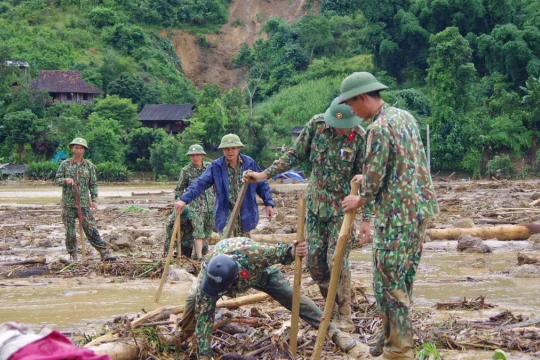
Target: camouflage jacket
x=255 y=263
x=84 y=175
x=189 y=173
x=395 y=170
x=335 y=159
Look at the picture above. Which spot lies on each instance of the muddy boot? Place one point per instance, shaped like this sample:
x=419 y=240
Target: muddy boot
x=377 y=348
x=396 y=356
x=343 y=300
x=106 y=255
x=73 y=257
x=342 y=339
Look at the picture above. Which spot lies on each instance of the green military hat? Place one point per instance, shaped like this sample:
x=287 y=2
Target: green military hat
x=78 y=141
x=359 y=83
x=230 y=140
x=196 y=150
x=340 y=116
x=186 y=214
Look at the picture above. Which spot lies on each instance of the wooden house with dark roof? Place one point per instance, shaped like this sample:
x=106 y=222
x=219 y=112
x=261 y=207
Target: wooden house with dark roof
x=66 y=86
x=169 y=117
x=295 y=131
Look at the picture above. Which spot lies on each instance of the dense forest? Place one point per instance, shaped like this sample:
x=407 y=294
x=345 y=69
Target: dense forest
x=468 y=68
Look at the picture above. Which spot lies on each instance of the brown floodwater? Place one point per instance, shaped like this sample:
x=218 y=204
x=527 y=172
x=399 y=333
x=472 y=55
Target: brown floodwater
x=81 y=303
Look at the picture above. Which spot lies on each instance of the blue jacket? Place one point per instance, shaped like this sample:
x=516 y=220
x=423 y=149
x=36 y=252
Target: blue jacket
x=216 y=174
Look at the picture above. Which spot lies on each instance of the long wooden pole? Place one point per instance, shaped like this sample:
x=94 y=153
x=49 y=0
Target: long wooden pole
x=176 y=230
x=297 y=276
x=502 y=232
x=80 y=216
x=179 y=244
x=236 y=210
x=337 y=259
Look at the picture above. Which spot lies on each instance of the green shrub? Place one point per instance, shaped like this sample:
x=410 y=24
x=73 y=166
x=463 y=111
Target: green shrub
x=110 y=171
x=238 y=23
x=501 y=166
x=44 y=170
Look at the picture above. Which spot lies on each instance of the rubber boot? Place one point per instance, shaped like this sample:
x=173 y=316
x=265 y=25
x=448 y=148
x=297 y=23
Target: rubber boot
x=377 y=348
x=396 y=356
x=106 y=255
x=342 y=339
x=73 y=257
x=343 y=300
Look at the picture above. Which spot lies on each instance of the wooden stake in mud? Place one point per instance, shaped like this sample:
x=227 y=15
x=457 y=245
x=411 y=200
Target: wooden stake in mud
x=297 y=276
x=80 y=216
x=176 y=230
x=337 y=259
x=179 y=245
x=236 y=210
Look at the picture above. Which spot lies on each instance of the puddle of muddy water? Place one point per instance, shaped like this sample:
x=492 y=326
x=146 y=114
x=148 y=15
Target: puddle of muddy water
x=443 y=276
x=67 y=304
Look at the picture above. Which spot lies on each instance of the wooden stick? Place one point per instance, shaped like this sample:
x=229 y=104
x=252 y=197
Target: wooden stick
x=503 y=232
x=179 y=245
x=83 y=245
x=297 y=277
x=535 y=202
x=38 y=260
x=80 y=216
x=337 y=259
x=236 y=210
x=176 y=230
x=274 y=238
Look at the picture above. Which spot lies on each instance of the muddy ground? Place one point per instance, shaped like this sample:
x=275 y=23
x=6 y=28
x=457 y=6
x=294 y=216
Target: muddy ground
x=466 y=303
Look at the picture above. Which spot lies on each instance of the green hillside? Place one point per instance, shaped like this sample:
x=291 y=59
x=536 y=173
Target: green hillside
x=468 y=68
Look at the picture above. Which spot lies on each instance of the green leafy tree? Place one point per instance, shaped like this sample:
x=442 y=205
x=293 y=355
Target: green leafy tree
x=122 y=110
x=104 y=138
x=139 y=143
x=167 y=157
x=20 y=128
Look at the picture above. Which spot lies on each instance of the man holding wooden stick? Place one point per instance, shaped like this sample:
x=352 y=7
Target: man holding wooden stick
x=225 y=174
x=201 y=210
x=235 y=266
x=81 y=173
x=333 y=143
x=395 y=174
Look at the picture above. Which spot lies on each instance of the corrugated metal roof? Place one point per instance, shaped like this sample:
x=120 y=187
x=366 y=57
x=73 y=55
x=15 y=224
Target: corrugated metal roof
x=166 y=112
x=9 y=169
x=297 y=129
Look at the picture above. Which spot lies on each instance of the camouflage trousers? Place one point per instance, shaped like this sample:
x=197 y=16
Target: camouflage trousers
x=203 y=222
x=276 y=286
x=393 y=278
x=186 y=231
x=69 y=216
x=321 y=237
x=237 y=230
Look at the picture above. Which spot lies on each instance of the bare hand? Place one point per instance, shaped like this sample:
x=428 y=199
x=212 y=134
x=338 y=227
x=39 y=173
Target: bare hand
x=179 y=206
x=357 y=179
x=351 y=203
x=300 y=249
x=94 y=205
x=68 y=181
x=269 y=211
x=254 y=177
x=364 y=236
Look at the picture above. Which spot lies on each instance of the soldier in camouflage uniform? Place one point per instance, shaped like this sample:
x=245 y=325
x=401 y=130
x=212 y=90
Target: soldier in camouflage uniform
x=395 y=174
x=225 y=174
x=202 y=208
x=81 y=172
x=233 y=267
x=333 y=143
x=186 y=230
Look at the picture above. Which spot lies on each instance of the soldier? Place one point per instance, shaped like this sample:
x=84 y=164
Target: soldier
x=225 y=174
x=202 y=215
x=80 y=173
x=395 y=174
x=333 y=143
x=235 y=266
x=186 y=229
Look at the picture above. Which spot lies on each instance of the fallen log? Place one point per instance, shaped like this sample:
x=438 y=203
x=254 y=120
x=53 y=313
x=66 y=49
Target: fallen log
x=503 y=232
x=39 y=260
x=117 y=350
x=165 y=312
x=274 y=238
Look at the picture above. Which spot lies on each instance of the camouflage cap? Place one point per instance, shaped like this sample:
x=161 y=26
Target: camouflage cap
x=340 y=116
x=196 y=150
x=359 y=83
x=230 y=140
x=78 y=141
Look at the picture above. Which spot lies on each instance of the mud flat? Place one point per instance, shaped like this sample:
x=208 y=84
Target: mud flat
x=465 y=304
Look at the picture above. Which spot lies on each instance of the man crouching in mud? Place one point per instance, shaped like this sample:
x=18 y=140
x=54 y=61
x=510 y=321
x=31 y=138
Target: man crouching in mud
x=234 y=266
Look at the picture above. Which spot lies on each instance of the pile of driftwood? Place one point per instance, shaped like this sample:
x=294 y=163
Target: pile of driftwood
x=476 y=304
